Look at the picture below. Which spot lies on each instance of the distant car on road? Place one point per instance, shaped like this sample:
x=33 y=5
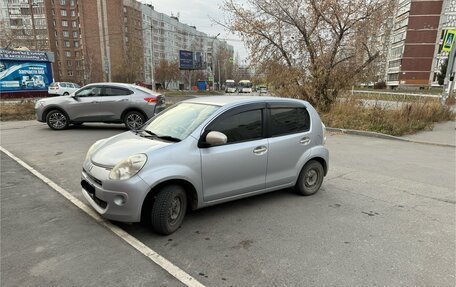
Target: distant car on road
x=102 y=102
x=62 y=88
x=202 y=152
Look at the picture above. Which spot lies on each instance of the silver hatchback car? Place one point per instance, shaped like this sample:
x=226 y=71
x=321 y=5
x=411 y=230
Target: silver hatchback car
x=102 y=102
x=202 y=152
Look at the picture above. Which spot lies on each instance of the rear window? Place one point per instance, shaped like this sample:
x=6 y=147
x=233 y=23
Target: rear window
x=145 y=90
x=53 y=85
x=289 y=120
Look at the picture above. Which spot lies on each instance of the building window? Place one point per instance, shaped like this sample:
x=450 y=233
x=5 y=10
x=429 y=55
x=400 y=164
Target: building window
x=66 y=34
x=67 y=54
x=75 y=34
x=73 y=13
x=69 y=63
x=62 y=2
x=74 y=24
x=63 y=12
x=77 y=53
x=76 y=44
x=66 y=44
x=71 y=2
x=65 y=23
x=393 y=77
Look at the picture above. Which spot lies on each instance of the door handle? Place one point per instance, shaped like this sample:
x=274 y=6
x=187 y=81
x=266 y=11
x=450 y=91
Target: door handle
x=260 y=150
x=305 y=141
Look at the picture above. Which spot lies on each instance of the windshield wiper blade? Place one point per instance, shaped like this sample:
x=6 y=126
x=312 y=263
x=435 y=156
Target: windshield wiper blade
x=150 y=133
x=169 y=138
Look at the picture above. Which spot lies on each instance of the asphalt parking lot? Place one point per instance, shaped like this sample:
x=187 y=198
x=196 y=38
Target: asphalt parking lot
x=385 y=216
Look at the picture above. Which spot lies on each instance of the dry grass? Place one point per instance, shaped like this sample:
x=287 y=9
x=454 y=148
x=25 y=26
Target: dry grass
x=407 y=119
x=23 y=110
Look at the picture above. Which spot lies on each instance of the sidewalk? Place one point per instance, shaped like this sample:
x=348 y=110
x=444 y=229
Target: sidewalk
x=47 y=241
x=442 y=133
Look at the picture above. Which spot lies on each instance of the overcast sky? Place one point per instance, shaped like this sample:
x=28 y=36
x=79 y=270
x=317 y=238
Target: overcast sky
x=199 y=13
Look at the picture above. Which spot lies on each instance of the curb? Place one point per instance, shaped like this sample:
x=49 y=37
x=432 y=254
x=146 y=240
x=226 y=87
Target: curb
x=385 y=136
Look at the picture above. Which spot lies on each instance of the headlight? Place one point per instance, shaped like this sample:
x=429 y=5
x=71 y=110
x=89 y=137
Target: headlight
x=128 y=167
x=39 y=104
x=93 y=148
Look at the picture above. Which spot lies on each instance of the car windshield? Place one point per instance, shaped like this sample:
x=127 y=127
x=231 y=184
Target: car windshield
x=180 y=120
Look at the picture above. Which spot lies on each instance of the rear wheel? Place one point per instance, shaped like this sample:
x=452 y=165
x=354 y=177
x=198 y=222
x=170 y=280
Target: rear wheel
x=57 y=120
x=168 y=210
x=134 y=120
x=65 y=94
x=310 y=178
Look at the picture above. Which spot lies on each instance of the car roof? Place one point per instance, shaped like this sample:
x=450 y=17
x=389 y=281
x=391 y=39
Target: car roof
x=113 y=84
x=235 y=100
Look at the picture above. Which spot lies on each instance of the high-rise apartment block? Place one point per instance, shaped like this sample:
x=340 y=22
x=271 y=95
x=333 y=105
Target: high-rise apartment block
x=101 y=40
x=414 y=56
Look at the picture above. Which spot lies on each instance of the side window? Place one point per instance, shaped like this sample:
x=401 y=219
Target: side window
x=289 y=120
x=112 y=91
x=63 y=85
x=240 y=127
x=89 y=92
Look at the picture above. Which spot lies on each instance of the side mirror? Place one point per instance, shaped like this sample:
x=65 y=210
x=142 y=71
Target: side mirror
x=216 y=138
x=74 y=97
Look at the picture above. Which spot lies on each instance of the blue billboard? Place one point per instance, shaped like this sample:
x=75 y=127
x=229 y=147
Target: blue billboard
x=24 y=71
x=189 y=60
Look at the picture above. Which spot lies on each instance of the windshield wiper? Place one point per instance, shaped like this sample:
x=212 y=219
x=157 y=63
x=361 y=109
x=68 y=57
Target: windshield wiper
x=167 y=138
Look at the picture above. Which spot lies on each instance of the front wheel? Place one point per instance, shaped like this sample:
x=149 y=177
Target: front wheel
x=134 y=120
x=168 y=210
x=57 y=120
x=310 y=178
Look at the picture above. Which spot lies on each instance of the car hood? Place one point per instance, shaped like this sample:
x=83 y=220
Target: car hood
x=120 y=147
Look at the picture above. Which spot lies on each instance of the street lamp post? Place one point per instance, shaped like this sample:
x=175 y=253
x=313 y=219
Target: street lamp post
x=212 y=62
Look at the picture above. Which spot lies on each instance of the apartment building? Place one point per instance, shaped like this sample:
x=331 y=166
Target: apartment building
x=113 y=40
x=102 y=40
x=413 y=42
x=447 y=22
x=165 y=35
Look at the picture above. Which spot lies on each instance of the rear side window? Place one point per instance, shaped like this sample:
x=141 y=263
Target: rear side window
x=63 y=85
x=240 y=127
x=111 y=91
x=289 y=120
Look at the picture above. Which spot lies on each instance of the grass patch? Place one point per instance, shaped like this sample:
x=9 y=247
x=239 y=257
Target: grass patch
x=15 y=111
x=407 y=119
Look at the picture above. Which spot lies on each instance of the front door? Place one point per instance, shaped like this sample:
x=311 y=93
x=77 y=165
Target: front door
x=239 y=166
x=84 y=107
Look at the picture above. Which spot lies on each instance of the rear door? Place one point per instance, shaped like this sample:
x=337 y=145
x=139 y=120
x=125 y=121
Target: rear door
x=113 y=101
x=289 y=138
x=239 y=166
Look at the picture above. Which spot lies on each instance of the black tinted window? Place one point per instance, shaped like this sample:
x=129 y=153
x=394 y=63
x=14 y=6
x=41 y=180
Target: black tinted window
x=240 y=127
x=110 y=91
x=289 y=120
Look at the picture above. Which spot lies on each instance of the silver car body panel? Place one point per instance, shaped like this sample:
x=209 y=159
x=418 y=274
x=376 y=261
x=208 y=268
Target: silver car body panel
x=218 y=174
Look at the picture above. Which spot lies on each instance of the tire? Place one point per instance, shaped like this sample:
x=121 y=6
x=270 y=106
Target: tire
x=57 y=120
x=65 y=94
x=168 y=210
x=134 y=120
x=310 y=178
x=78 y=124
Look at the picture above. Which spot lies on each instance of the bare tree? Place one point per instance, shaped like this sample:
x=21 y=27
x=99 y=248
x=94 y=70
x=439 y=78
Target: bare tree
x=167 y=72
x=317 y=47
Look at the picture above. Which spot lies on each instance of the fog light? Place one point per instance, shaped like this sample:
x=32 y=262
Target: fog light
x=119 y=200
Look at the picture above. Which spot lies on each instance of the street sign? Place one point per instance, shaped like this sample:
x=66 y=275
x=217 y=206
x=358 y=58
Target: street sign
x=210 y=78
x=448 y=41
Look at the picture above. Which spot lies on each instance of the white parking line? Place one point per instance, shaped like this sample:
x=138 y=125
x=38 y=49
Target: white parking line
x=172 y=269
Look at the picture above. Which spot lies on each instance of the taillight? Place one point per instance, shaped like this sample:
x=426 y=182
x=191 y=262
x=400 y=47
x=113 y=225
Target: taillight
x=151 y=100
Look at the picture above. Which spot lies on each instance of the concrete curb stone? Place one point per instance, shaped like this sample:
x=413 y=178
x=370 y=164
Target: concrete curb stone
x=384 y=136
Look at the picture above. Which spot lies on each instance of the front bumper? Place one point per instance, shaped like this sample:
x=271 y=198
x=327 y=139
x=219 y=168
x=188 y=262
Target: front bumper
x=115 y=200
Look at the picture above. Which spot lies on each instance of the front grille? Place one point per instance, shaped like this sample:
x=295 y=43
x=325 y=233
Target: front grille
x=96 y=180
x=91 y=191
